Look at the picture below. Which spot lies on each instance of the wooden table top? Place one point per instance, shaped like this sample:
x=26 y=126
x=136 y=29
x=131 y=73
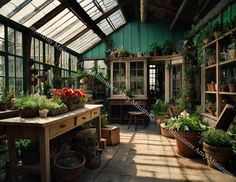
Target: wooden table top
x=42 y=122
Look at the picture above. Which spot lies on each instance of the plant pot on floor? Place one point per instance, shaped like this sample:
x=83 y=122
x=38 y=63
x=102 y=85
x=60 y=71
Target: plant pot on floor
x=68 y=166
x=217 y=156
x=187 y=142
x=166 y=132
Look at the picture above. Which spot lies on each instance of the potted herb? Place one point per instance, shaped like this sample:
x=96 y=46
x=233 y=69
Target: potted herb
x=224 y=86
x=3 y=101
x=27 y=106
x=232 y=49
x=167 y=48
x=28 y=150
x=232 y=84
x=218 y=147
x=187 y=132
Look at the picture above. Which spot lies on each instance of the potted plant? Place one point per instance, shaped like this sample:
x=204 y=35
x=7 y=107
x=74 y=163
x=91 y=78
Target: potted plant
x=68 y=166
x=187 y=132
x=165 y=125
x=218 y=148
x=224 y=86
x=3 y=101
x=217 y=29
x=28 y=151
x=28 y=106
x=167 y=48
x=232 y=49
x=43 y=113
x=159 y=110
x=156 y=49
x=232 y=84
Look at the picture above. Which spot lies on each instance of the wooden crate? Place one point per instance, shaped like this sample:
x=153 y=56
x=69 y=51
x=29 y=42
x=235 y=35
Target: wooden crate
x=111 y=134
x=103 y=143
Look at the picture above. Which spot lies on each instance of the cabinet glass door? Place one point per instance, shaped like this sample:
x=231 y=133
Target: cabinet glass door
x=137 y=78
x=119 y=78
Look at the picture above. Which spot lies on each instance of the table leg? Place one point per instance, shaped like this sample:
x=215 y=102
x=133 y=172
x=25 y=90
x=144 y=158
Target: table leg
x=44 y=143
x=98 y=127
x=11 y=140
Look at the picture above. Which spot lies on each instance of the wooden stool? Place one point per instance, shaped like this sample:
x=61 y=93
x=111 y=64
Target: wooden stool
x=138 y=117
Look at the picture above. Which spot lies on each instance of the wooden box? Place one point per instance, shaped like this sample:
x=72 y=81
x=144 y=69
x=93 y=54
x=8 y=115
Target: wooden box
x=103 y=143
x=111 y=134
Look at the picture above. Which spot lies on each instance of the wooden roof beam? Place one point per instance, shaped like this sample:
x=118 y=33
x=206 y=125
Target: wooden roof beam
x=49 y=16
x=3 y=2
x=143 y=10
x=75 y=7
x=105 y=15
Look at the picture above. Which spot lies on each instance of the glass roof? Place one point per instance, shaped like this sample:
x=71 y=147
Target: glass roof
x=62 y=27
x=84 y=42
x=27 y=12
x=65 y=25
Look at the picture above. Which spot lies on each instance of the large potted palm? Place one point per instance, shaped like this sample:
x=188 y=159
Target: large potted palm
x=218 y=148
x=187 y=132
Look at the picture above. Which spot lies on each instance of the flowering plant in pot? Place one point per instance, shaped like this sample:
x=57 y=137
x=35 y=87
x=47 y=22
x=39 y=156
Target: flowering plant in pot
x=187 y=132
x=218 y=148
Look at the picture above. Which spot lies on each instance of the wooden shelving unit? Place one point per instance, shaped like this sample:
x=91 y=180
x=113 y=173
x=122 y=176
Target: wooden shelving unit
x=216 y=73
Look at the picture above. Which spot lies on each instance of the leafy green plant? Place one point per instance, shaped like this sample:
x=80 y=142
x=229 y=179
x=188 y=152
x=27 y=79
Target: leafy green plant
x=90 y=136
x=167 y=48
x=104 y=117
x=159 y=108
x=26 y=145
x=192 y=124
x=216 y=138
x=156 y=48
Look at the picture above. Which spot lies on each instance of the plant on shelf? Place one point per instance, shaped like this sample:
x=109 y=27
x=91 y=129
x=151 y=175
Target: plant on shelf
x=122 y=52
x=4 y=99
x=232 y=84
x=217 y=30
x=224 y=86
x=156 y=49
x=207 y=34
x=28 y=150
x=187 y=129
x=218 y=148
x=232 y=48
x=167 y=48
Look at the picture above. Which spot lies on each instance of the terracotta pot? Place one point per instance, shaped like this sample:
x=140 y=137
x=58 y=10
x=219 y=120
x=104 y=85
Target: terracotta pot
x=213 y=86
x=232 y=54
x=224 y=88
x=28 y=113
x=232 y=87
x=3 y=107
x=68 y=166
x=166 y=132
x=187 y=142
x=209 y=87
x=217 y=157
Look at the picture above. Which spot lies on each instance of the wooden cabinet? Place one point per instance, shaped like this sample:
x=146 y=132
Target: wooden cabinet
x=217 y=68
x=129 y=74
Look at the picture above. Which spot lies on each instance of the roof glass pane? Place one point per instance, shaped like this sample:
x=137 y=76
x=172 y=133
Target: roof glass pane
x=117 y=19
x=105 y=27
x=84 y=42
x=27 y=12
x=106 y=5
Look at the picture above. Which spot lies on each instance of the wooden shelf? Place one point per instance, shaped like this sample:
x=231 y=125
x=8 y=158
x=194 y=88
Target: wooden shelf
x=212 y=66
x=210 y=92
x=228 y=93
x=210 y=43
x=230 y=62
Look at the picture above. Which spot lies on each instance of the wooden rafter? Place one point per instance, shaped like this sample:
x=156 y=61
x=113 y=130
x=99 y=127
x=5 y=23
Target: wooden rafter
x=3 y=2
x=105 y=15
x=143 y=10
x=75 y=7
x=49 y=16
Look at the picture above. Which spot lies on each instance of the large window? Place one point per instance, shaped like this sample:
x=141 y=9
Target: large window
x=11 y=59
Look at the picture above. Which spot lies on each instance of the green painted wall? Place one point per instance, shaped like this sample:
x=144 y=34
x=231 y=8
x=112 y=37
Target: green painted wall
x=136 y=35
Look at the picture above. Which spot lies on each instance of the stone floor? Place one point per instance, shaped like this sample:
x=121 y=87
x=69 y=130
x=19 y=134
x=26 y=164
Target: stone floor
x=146 y=156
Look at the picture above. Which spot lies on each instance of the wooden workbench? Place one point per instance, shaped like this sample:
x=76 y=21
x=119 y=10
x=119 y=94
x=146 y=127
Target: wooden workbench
x=45 y=129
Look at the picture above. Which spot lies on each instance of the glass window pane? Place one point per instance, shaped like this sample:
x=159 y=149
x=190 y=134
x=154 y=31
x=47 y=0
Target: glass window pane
x=19 y=66
x=19 y=45
x=117 y=19
x=11 y=66
x=19 y=86
x=36 y=49
x=2 y=82
x=105 y=27
x=11 y=40
x=2 y=66
x=2 y=37
x=41 y=51
x=11 y=83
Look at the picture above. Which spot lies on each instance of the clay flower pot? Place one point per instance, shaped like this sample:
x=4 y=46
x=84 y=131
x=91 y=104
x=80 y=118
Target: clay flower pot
x=217 y=156
x=166 y=132
x=232 y=87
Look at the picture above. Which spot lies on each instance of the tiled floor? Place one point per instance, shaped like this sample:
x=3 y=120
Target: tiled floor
x=146 y=156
